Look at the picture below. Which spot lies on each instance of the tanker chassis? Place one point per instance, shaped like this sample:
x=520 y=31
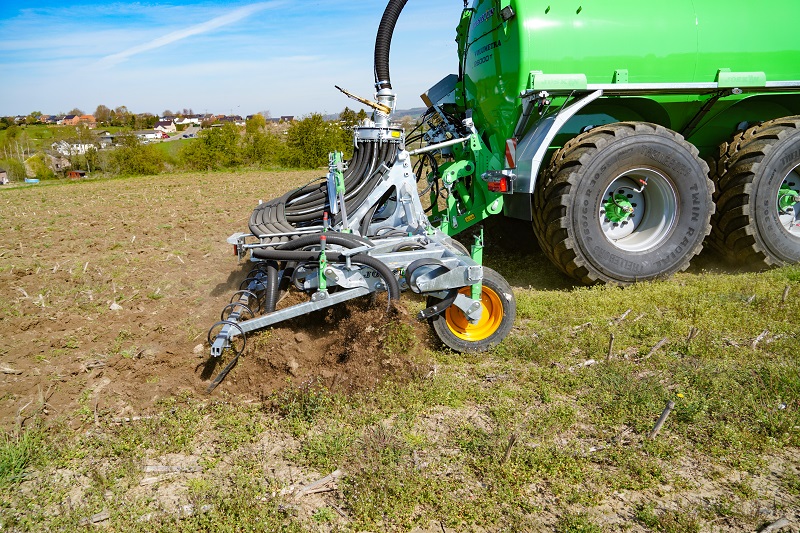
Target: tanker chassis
x=629 y=133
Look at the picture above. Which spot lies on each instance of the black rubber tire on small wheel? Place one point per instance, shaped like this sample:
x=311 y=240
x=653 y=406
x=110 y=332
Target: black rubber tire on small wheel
x=499 y=312
x=668 y=216
x=750 y=228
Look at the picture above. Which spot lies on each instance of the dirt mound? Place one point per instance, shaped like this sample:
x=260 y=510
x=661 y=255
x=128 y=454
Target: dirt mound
x=347 y=348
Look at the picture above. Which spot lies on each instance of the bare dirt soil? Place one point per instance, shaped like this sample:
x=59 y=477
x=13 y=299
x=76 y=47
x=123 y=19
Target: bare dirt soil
x=108 y=288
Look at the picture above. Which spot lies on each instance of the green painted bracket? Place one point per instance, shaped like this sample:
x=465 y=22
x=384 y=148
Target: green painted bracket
x=323 y=264
x=477 y=256
x=470 y=202
x=336 y=166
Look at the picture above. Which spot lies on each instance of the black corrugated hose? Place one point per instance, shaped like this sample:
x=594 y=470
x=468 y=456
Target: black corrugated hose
x=383 y=43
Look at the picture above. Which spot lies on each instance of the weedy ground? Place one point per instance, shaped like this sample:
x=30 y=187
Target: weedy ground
x=105 y=421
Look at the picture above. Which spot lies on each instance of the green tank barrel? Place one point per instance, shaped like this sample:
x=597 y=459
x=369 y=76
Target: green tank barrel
x=733 y=42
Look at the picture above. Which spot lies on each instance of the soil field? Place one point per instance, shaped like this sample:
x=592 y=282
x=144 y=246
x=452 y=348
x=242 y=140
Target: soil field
x=352 y=420
x=108 y=288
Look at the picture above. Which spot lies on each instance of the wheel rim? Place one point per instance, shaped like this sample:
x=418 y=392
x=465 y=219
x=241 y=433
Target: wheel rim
x=789 y=203
x=638 y=210
x=491 y=317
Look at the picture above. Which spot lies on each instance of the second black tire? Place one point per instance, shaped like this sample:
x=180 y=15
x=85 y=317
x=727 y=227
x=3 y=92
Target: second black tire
x=757 y=223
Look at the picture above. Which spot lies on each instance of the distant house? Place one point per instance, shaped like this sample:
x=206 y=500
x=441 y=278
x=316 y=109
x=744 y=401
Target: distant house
x=190 y=119
x=74 y=120
x=148 y=135
x=72 y=148
x=233 y=119
x=287 y=118
x=3 y=176
x=88 y=120
x=105 y=138
x=58 y=162
x=167 y=126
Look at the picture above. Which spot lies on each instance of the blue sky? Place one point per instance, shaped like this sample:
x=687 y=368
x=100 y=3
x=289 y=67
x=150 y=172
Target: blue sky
x=222 y=57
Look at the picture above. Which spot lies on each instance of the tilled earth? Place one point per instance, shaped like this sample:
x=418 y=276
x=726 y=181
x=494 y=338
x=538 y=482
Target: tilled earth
x=108 y=288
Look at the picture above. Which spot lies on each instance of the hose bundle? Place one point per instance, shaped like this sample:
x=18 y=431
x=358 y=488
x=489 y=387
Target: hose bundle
x=307 y=205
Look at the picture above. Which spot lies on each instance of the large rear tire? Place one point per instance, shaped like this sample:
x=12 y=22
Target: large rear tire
x=757 y=176
x=497 y=318
x=622 y=203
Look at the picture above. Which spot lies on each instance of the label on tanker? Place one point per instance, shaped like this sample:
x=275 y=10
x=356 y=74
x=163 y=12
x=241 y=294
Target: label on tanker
x=481 y=19
x=482 y=24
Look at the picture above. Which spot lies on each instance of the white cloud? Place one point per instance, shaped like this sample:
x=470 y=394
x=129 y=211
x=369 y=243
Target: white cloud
x=198 y=29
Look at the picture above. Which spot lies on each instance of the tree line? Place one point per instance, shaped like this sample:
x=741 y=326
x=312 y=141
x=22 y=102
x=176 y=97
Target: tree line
x=304 y=143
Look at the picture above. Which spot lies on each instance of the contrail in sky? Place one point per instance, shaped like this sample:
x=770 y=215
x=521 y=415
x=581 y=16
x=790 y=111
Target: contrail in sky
x=218 y=22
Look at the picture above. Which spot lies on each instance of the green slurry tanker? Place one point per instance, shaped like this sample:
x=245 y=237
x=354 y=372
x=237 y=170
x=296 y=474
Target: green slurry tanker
x=629 y=133
x=632 y=121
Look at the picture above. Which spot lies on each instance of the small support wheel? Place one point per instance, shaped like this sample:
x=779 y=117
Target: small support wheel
x=497 y=319
x=212 y=336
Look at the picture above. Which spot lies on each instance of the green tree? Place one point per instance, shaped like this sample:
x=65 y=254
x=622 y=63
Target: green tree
x=264 y=148
x=255 y=124
x=310 y=140
x=217 y=147
x=92 y=159
x=121 y=116
x=102 y=114
x=15 y=169
x=131 y=157
x=40 y=167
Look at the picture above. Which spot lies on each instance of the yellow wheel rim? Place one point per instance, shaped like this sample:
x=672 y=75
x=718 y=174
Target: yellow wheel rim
x=491 y=317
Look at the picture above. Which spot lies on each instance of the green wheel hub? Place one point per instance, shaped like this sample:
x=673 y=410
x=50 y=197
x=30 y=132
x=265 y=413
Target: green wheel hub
x=788 y=202
x=787 y=197
x=618 y=208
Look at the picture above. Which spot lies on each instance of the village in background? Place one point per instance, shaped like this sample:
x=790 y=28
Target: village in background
x=114 y=142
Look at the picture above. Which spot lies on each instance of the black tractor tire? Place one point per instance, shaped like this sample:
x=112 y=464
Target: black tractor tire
x=749 y=228
x=665 y=232
x=499 y=312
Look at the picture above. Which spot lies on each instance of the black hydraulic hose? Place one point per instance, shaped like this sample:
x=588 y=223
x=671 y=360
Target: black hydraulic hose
x=316 y=202
x=392 y=286
x=383 y=43
x=360 y=196
x=368 y=219
x=345 y=240
x=272 y=289
x=313 y=205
